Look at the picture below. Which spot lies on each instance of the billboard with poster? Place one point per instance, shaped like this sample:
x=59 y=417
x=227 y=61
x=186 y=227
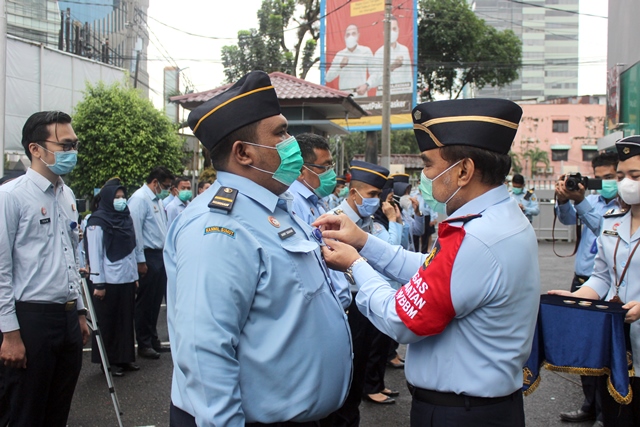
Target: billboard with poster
x=352 y=50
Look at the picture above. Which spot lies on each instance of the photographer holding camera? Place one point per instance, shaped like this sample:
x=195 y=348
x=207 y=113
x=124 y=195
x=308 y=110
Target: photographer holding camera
x=589 y=209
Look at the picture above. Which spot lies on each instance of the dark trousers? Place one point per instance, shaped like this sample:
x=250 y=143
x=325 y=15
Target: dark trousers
x=377 y=363
x=41 y=394
x=115 y=320
x=151 y=290
x=508 y=413
x=362 y=334
x=616 y=415
x=179 y=418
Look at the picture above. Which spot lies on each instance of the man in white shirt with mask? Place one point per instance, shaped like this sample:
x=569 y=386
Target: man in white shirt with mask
x=351 y=64
x=401 y=67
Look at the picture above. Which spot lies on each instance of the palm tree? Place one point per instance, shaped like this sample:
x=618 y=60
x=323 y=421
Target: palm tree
x=516 y=164
x=535 y=156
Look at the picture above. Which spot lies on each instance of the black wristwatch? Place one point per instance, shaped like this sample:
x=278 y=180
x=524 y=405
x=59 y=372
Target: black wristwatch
x=82 y=312
x=349 y=273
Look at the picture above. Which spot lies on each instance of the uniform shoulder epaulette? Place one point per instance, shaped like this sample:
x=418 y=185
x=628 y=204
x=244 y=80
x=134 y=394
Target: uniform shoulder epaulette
x=612 y=213
x=463 y=219
x=224 y=199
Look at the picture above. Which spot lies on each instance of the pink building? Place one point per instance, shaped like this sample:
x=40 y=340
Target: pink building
x=567 y=129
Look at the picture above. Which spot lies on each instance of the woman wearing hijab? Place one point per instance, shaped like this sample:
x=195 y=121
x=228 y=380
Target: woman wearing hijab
x=111 y=242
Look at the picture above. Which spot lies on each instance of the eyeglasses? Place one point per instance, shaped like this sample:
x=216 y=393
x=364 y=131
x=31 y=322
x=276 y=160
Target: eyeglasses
x=323 y=167
x=66 y=146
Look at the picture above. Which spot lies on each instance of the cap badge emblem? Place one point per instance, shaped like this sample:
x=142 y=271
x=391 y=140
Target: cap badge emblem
x=417 y=115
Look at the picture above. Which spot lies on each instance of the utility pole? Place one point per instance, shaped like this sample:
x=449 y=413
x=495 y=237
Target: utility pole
x=3 y=77
x=385 y=158
x=135 y=79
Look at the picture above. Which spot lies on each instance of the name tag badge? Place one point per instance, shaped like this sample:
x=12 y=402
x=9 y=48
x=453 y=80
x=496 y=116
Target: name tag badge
x=285 y=234
x=45 y=220
x=610 y=233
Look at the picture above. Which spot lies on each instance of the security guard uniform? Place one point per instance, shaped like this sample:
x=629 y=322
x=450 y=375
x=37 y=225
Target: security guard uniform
x=529 y=202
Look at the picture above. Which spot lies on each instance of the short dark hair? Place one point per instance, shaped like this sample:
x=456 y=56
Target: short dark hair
x=161 y=174
x=309 y=142
x=493 y=166
x=220 y=152
x=517 y=179
x=35 y=128
x=180 y=179
x=201 y=184
x=605 y=159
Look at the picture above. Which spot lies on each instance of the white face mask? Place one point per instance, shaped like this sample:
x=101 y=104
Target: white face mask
x=394 y=36
x=405 y=202
x=351 y=42
x=629 y=190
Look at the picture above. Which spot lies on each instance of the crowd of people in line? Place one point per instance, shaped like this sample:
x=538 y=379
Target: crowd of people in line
x=282 y=269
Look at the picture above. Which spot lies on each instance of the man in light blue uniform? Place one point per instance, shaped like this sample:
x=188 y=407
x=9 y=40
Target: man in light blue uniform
x=469 y=311
x=590 y=210
x=362 y=202
x=316 y=179
x=258 y=336
x=180 y=202
x=527 y=199
x=150 y=223
x=616 y=273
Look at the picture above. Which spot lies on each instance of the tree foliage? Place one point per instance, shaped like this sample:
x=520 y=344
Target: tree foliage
x=456 y=48
x=121 y=135
x=536 y=156
x=264 y=48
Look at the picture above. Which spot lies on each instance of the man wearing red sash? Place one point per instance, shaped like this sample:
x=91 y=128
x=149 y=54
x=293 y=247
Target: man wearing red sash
x=468 y=309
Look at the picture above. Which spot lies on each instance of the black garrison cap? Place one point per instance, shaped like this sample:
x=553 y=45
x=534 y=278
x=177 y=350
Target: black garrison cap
x=250 y=99
x=369 y=173
x=400 y=177
x=628 y=147
x=486 y=123
x=340 y=179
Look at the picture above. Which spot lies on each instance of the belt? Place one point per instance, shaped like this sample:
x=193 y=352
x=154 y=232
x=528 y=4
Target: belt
x=456 y=400
x=35 y=307
x=152 y=250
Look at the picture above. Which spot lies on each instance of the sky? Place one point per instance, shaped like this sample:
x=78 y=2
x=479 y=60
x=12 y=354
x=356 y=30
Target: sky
x=200 y=61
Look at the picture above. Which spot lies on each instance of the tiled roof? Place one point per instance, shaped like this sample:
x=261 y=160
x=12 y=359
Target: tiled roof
x=287 y=88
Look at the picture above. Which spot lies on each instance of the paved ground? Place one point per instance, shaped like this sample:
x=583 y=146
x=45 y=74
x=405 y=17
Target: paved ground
x=145 y=395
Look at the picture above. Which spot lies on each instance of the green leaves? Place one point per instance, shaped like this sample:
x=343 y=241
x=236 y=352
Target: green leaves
x=121 y=135
x=456 y=48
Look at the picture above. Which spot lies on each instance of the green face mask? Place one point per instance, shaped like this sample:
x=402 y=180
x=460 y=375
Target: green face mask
x=327 y=182
x=343 y=193
x=290 y=160
x=609 y=188
x=516 y=190
x=185 y=195
x=426 y=188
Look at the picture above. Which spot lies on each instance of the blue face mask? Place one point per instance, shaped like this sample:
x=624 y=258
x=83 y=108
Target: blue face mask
x=609 y=189
x=368 y=207
x=426 y=188
x=290 y=160
x=65 y=161
x=119 y=204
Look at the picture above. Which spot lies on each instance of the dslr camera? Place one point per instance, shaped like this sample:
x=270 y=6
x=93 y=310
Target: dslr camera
x=572 y=181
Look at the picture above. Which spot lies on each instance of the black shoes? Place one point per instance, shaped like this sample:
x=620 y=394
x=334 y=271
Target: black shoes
x=157 y=346
x=128 y=367
x=148 y=353
x=390 y=393
x=386 y=401
x=576 y=416
x=116 y=371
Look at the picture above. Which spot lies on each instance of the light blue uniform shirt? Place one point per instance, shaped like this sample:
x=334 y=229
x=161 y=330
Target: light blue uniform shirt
x=333 y=201
x=174 y=209
x=257 y=334
x=393 y=236
x=530 y=207
x=124 y=270
x=603 y=278
x=38 y=245
x=495 y=291
x=149 y=221
x=365 y=224
x=167 y=200
x=305 y=205
x=590 y=212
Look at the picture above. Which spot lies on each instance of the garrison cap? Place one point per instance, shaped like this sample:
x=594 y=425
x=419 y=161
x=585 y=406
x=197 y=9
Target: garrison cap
x=250 y=99
x=369 y=173
x=400 y=177
x=487 y=123
x=341 y=179
x=628 y=147
x=399 y=188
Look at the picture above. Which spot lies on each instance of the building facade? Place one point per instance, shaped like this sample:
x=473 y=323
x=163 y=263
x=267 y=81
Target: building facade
x=549 y=33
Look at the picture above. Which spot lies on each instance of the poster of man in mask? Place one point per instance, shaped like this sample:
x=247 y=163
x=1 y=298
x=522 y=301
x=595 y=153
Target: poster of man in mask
x=353 y=54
